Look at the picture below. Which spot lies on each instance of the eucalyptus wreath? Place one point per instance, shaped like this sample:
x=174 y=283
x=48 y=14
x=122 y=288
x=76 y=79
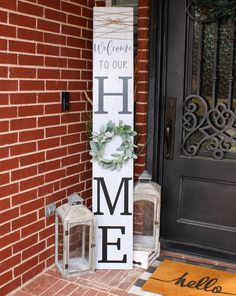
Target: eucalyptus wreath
x=123 y=153
x=214 y=9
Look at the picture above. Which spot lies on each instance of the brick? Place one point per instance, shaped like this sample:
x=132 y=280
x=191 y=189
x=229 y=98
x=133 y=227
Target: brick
x=8 y=139
x=66 y=182
x=7 y=31
x=49 y=166
x=31 y=85
x=10 y=4
x=55 y=15
x=8 y=85
x=31 y=60
x=55 y=131
x=18 y=72
x=29 y=136
x=87 y=34
x=23 y=173
x=87 y=54
x=9 y=287
x=25 y=243
x=45 y=189
x=69 y=160
x=22 y=20
x=52 y=109
x=57 y=175
x=25 y=220
x=9 y=215
x=54 y=38
x=24 y=197
x=87 y=12
x=49 y=97
x=48 y=74
x=49 y=120
x=23 y=98
x=69 y=118
x=70 y=139
x=56 y=153
x=3 y=72
x=34 y=250
x=71 y=8
x=6 y=277
x=9 y=164
x=4 y=126
x=31 y=183
x=58 y=196
x=6 y=253
x=3 y=44
x=9 y=239
x=32 y=206
x=4 y=179
x=76 y=85
x=33 y=272
x=71 y=30
x=4 y=99
x=55 y=62
x=5 y=203
x=20 y=124
x=33 y=228
x=5 y=228
x=4 y=152
x=21 y=46
x=56 y=85
x=76 y=42
x=30 y=34
x=31 y=9
x=78 y=64
x=49 y=3
x=32 y=158
x=48 y=143
x=25 y=266
x=30 y=110
x=10 y=262
x=48 y=49
x=71 y=52
x=70 y=74
x=49 y=231
x=22 y=149
x=75 y=169
x=77 y=21
x=48 y=26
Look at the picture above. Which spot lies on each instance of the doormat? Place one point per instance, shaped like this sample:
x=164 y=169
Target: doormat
x=174 y=278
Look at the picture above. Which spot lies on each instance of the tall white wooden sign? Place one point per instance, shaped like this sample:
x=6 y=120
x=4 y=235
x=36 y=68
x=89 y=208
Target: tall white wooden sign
x=113 y=101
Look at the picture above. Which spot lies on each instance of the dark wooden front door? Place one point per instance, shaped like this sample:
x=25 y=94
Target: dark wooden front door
x=199 y=155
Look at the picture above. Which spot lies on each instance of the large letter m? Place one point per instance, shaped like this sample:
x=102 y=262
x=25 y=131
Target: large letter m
x=101 y=185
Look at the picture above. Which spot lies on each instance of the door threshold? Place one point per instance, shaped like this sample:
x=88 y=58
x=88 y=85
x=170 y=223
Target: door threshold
x=198 y=260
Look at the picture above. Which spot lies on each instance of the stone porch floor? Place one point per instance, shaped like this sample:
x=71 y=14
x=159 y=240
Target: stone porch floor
x=103 y=282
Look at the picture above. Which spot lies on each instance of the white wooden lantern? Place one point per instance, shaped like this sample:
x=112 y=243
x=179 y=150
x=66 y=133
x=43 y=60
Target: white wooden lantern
x=74 y=231
x=147 y=201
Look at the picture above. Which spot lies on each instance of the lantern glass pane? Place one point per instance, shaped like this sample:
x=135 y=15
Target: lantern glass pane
x=60 y=243
x=143 y=217
x=79 y=248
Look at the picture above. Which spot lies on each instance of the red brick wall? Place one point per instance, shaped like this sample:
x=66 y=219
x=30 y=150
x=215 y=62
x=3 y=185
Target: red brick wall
x=46 y=47
x=141 y=84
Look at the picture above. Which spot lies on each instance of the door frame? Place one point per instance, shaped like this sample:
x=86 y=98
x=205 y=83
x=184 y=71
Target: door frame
x=157 y=84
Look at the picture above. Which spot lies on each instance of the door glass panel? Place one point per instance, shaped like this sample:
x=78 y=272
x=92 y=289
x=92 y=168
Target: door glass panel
x=209 y=127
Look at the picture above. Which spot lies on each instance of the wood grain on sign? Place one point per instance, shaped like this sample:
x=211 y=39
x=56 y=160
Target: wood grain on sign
x=113 y=100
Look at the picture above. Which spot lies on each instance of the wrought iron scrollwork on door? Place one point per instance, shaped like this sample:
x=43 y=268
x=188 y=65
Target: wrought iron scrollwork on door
x=211 y=128
x=209 y=113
